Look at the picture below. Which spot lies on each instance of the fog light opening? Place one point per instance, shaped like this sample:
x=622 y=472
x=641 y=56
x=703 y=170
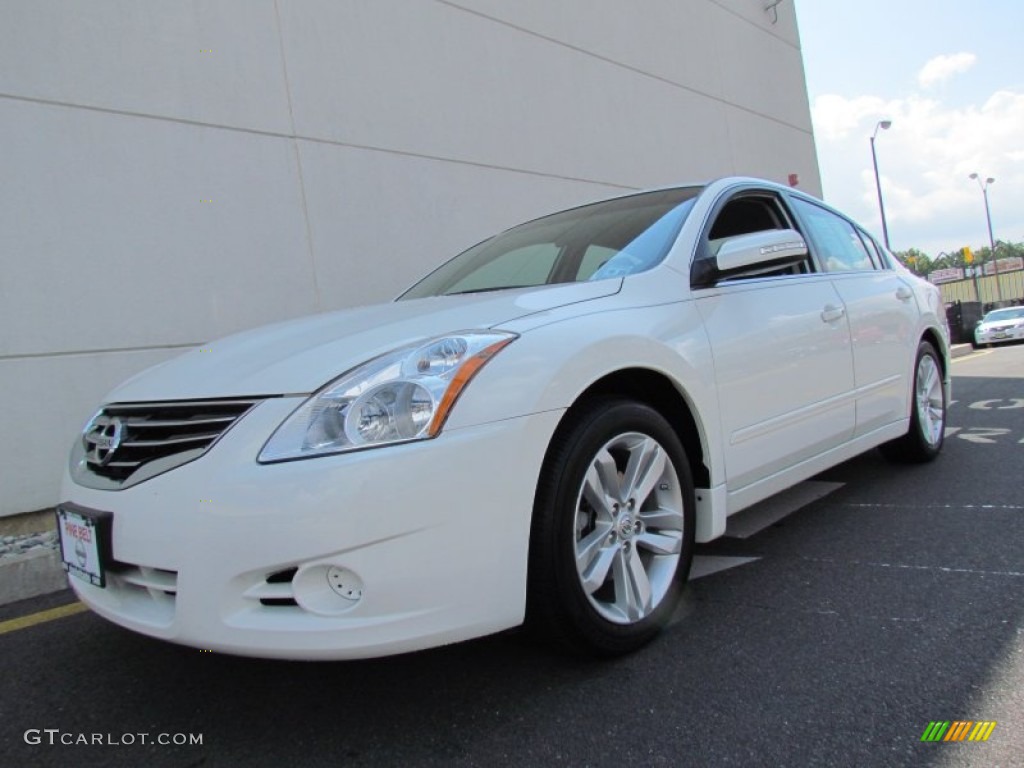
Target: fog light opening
x=345 y=583
x=327 y=590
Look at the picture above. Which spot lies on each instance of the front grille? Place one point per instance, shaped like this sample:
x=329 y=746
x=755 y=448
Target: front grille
x=126 y=443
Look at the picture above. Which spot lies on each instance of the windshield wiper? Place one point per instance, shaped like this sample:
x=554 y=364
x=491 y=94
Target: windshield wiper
x=488 y=290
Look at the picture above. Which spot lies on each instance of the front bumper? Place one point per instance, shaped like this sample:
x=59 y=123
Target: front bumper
x=999 y=335
x=355 y=555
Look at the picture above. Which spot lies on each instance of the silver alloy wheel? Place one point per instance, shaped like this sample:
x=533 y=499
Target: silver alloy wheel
x=628 y=528
x=930 y=412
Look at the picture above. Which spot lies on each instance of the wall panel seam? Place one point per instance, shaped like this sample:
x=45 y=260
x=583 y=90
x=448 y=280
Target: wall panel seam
x=317 y=303
x=757 y=26
x=628 y=67
x=315 y=140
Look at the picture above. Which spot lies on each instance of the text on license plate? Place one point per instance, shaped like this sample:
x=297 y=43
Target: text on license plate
x=80 y=542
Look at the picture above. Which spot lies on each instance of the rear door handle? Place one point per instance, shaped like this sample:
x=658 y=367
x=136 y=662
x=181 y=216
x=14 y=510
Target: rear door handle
x=831 y=313
x=904 y=294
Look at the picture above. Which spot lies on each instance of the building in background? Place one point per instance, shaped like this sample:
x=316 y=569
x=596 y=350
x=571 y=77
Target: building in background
x=174 y=172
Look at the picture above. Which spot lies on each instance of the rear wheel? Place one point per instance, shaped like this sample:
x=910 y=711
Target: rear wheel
x=613 y=527
x=924 y=439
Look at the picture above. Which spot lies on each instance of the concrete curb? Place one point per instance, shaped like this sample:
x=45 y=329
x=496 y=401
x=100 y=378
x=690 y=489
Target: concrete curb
x=959 y=350
x=30 y=575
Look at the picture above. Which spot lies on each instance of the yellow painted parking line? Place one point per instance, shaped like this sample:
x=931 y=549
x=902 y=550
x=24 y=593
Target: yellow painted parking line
x=23 y=622
x=973 y=355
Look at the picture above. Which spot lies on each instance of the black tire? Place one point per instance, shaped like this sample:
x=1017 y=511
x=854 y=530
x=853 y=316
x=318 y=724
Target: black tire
x=975 y=345
x=923 y=441
x=559 y=607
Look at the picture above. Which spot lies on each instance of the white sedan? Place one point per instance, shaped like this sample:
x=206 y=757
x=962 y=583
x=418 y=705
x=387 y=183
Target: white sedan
x=1000 y=325
x=538 y=431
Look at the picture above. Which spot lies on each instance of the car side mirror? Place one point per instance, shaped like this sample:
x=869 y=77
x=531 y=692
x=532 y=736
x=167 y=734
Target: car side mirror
x=747 y=255
x=759 y=252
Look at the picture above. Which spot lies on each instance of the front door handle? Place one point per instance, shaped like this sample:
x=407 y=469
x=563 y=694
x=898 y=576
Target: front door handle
x=831 y=313
x=904 y=294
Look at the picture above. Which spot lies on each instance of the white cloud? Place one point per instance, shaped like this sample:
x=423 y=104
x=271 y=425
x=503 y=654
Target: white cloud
x=836 y=117
x=939 y=69
x=925 y=160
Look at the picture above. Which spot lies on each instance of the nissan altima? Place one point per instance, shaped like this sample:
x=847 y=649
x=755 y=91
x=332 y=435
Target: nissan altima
x=538 y=432
x=1000 y=325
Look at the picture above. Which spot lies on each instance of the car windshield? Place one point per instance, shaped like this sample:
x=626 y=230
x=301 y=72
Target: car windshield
x=1000 y=315
x=593 y=242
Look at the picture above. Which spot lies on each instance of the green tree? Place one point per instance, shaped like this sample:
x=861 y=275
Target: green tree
x=921 y=263
x=915 y=260
x=956 y=258
x=1005 y=250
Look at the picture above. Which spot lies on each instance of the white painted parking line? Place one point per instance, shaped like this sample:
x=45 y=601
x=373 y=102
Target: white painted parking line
x=986 y=405
x=705 y=565
x=933 y=506
x=745 y=524
x=912 y=567
x=982 y=435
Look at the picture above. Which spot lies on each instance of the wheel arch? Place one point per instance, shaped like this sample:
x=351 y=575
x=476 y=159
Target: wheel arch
x=661 y=393
x=932 y=337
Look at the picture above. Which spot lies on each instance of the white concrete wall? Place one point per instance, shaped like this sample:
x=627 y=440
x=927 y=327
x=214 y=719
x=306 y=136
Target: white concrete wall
x=175 y=171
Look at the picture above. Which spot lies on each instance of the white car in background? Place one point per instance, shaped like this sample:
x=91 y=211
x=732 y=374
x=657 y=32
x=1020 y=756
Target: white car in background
x=1000 y=325
x=538 y=431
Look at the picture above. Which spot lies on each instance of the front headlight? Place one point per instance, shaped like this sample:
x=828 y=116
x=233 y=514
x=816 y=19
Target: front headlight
x=404 y=395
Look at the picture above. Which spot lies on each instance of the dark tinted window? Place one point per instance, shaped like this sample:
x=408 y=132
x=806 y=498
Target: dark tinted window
x=746 y=214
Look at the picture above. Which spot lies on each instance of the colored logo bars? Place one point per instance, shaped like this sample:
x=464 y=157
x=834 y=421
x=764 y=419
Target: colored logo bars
x=958 y=730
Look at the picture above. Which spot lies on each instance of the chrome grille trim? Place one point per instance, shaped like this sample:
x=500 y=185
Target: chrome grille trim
x=144 y=423
x=170 y=441
x=127 y=443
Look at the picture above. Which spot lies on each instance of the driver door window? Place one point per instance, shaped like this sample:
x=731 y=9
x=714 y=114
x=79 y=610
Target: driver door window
x=747 y=215
x=839 y=246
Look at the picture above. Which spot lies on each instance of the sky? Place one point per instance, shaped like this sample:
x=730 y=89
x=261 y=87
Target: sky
x=950 y=77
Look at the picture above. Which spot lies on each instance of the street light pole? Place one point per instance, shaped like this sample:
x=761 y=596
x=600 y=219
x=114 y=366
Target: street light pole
x=884 y=125
x=991 y=240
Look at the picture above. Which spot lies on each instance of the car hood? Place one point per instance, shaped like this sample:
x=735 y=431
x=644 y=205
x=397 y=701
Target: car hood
x=299 y=356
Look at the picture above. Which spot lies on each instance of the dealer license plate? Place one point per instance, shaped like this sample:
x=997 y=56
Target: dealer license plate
x=84 y=542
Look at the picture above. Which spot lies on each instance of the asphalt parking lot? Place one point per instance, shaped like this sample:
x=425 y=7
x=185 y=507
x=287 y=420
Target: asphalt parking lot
x=830 y=627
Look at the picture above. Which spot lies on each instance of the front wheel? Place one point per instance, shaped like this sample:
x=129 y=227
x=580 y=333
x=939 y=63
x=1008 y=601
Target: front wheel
x=613 y=529
x=924 y=439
